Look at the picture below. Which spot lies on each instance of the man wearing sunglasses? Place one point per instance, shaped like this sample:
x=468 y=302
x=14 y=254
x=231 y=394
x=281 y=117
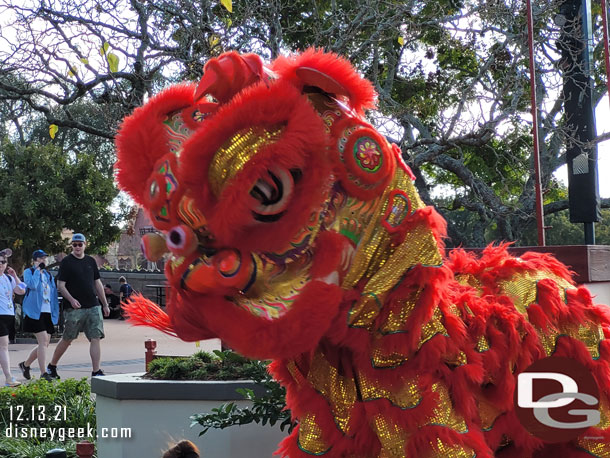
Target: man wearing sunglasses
x=80 y=285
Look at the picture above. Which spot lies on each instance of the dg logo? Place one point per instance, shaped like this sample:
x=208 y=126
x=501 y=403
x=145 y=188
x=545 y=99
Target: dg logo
x=557 y=399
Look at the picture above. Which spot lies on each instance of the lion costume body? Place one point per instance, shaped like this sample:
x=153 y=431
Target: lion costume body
x=296 y=234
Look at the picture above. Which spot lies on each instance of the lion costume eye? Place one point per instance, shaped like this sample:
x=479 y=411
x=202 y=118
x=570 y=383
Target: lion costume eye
x=181 y=240
x=273 y=193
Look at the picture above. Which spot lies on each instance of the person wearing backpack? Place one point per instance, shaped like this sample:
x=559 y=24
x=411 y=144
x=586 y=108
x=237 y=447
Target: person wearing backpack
x=41 y=312
x=9 y=284
x=125 y=292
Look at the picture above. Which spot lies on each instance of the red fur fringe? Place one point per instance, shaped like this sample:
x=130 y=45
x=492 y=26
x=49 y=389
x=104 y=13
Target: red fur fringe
x=302 y=145
x=361 y=93
x=292 y=334
x=142 y=139
x=143 y=312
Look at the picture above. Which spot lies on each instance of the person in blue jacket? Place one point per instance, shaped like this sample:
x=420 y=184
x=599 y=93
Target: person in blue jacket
x=40 y=310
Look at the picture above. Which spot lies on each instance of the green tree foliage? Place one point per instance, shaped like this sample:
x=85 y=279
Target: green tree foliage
x=562 y=232
x=45 y=191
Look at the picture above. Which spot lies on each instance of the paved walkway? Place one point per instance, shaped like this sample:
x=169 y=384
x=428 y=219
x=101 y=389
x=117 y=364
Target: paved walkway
x=122 y=351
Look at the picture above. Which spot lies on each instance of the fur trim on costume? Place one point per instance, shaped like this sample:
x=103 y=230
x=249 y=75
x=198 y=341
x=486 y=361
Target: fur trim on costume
x=359 y=91
x=142 y=139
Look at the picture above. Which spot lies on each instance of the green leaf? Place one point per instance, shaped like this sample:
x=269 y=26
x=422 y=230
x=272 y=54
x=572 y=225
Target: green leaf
x=401 y=40
x=84 y=60
x=53 y=130
x=113 y=62
x=104 y=48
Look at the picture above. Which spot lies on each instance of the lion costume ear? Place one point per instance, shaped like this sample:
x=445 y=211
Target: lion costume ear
x=328 y=72
x=229 y=73
x=150 y=133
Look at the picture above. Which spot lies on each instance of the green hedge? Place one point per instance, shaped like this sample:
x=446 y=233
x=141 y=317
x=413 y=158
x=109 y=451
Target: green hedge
x=219 y=365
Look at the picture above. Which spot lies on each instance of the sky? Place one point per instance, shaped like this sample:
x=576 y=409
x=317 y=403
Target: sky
x=602 y=115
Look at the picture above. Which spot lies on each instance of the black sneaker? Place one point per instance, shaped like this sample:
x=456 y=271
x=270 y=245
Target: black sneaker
x=47 y=377
x=99 y=373
x=52 y=371
x=25 y=370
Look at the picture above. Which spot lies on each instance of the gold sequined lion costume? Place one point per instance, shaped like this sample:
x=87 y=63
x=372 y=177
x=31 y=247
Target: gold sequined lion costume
x=295 y=233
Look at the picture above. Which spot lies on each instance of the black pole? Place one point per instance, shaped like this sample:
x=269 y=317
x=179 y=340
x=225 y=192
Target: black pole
x=589 y=233
x=575 y=44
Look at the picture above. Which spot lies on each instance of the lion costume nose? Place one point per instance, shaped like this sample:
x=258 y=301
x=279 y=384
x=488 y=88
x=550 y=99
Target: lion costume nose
x=226 y=272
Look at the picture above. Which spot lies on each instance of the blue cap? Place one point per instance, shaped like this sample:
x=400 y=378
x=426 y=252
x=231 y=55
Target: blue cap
x=38 y=254
x=78 y=238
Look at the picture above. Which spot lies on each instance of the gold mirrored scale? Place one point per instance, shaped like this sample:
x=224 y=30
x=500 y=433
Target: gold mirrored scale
x=364 y=312
x=397 y=317
x=523 y=288
x=418 y=247
x=469 y=280
x=392 y=437
x=597 y=448
x=407 y=396
x=310 y=436
x=376 y=258
x=296 y=374
x=442 y=450
x=339 y=391
x=591 y=335
x=482 y=344
x=381 y=358
x=237 y=152
x=444 y=414
x=374 y=243
x=604 y=411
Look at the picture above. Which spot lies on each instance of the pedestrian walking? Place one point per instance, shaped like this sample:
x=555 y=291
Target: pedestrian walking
x=41 y=312
x=79 y=283
x=9 y=285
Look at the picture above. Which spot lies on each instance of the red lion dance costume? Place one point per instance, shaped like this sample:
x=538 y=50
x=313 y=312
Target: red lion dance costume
x=296 y=234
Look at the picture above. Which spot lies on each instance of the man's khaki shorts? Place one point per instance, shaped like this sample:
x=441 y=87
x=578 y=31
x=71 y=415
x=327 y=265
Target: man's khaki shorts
x=88 y=320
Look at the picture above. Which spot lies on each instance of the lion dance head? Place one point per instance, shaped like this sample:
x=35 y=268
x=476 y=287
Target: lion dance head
x=294 y=232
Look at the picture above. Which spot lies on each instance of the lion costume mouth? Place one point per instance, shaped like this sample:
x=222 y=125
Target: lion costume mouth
x=266 y=285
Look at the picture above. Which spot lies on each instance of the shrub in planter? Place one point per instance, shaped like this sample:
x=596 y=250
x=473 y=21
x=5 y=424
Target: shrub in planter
x=219 y=365
x=47 y=411
x=269 y=408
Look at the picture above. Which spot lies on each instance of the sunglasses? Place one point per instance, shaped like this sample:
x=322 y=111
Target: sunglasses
x=77 y=244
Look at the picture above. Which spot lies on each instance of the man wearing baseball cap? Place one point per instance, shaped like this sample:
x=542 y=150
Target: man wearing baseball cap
x=79 y=283
x=41 y=310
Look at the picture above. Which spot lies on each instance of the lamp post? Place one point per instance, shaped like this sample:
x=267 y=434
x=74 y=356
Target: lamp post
x=575 y=44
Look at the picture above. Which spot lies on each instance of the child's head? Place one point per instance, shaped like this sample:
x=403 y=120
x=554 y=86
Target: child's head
x=122 y=280
x=183 y=449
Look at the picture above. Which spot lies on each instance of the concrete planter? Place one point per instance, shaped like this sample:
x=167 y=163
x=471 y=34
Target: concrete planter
x=157 y=413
